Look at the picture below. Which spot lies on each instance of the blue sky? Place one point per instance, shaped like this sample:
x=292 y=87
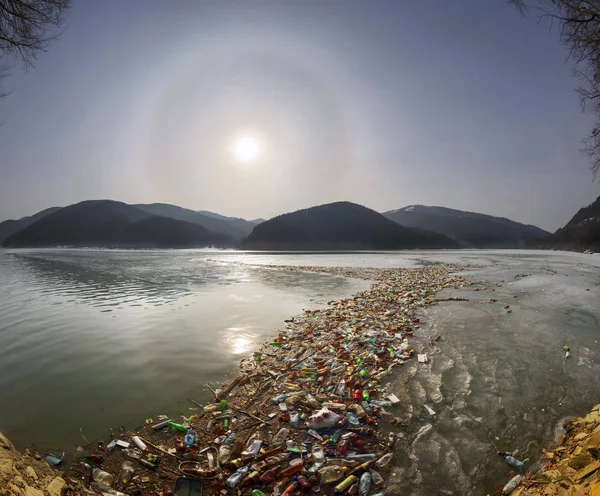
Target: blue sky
x=464 y=104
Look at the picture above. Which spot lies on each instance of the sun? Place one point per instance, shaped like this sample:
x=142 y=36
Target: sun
x=246 y=149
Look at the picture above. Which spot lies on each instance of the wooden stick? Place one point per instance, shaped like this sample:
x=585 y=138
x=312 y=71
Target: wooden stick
x=247 y=413
x=195 y=403
x=227 y=389
x=212 y=391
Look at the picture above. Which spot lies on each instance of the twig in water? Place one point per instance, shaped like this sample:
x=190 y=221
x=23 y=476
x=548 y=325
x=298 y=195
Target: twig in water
x=84 y=438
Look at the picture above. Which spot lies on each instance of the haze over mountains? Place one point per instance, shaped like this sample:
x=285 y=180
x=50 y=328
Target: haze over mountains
x=468 y=229
x=334 y=226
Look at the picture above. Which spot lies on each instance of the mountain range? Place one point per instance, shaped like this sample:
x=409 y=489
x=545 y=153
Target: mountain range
x=340 y=226
x=113 y=224
x=334 y=226
x=468 y=229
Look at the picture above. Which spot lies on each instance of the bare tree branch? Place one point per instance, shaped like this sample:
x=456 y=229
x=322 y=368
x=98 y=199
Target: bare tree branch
x=580 y=33
x=26 y=28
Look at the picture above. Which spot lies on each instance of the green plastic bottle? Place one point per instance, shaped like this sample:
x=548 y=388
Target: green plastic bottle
x=177 y=427
x=365 y=394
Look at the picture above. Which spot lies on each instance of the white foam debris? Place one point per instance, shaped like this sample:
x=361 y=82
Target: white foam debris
x=422 y=358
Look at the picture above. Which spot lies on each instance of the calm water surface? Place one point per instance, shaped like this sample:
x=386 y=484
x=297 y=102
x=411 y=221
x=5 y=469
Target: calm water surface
x=98 y=338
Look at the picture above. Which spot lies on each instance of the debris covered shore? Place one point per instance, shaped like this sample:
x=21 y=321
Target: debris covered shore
x=572 y=466
x=309 y=412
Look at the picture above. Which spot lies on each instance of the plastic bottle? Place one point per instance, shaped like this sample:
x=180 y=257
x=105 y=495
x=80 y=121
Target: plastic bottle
x=518 y=464
x=315 y=434
x=139 y=443
x=290 y=471
x=279 y=399
x=161 y=425
x=127 y=470
x=359 y=411
x=331 y=473
x=364 y=485
x=225 y=448
x=318 y=454
x=352 y=419
x=357 y=395
x=295 y=419
x=335 y=437
x=148 y=464
x=363 y=467
x=345 y=484
x=104 y=489
x=177 y=427
x=291 y=489
x=376 y=477
x=384 y=460
x=267 y=454
x=512 y=484
x=353 y=491
x=258 y=492
x=253 y=449
x=312 y=401
x=132 y=453
x=272 y=460
x=102 y=477
x=236 y=478
x=281 y=436
x=342 y=462
x=268 y=477
x=190 y=438
x=365 y=395
x=367 y=407
x=381 y=403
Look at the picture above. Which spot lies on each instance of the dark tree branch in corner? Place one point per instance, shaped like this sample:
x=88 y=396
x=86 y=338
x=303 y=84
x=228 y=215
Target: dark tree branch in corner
x=580 y=32
x=26 y=28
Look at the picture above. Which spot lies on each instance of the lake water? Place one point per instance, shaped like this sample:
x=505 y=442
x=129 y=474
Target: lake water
x=95 y=338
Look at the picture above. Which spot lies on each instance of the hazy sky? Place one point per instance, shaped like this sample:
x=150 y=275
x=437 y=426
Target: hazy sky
x=460 y=103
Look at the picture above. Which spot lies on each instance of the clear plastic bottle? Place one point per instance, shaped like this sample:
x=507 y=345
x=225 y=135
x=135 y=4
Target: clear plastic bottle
x=512 y=484
x=318 y=453
x=376 y=477
x=312 y=401
x=295 y=419
x=102 y=477
x=225 y=448
x=253 y=449
x=384 y=460
x=127 y=471
x=331 y=473
x=281 y=436
x=364 y=486
x=518 y=464
x=342 y=462
x=104 y=489
x=236 y=478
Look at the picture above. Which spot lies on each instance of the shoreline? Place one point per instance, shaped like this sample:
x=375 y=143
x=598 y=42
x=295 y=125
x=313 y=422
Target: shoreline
x=387 y=312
